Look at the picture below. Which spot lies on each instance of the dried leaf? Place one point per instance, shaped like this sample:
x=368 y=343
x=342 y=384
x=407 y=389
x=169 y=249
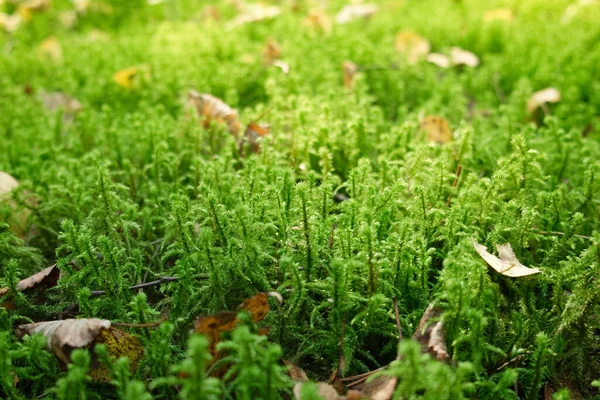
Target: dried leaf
x=28 y=7
x=214 y=109
x=10 y=22
x=380 y=388
x=68 y=18
x=441 y=60
x=44 y=279
x=431 y=334
x=325 y=390
x=54 y=101
x=353 y=11
x=210 y=13
x=350 y=70
x=499 y=14
x=51 y=49
x=285 y=67
x=254 y=134
x=63 y=336
x=126 y=77
x=7 y=184
x=271 y=51
x=412 y=45
x=319 y=20
x=463 y=57
x=541 y=97
x=18 y=218
x=436 y=128
x=296 y=373
x=254 y=13
x=507 y=263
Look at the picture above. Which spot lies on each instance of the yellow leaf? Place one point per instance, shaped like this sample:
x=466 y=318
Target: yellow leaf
x=126 y=77
x=412 y=45
x=436 y=128
x=51 y=49
x=27 y=8
x=507 y=263
x=350 y=70
x=499 y=14
x=541 y=97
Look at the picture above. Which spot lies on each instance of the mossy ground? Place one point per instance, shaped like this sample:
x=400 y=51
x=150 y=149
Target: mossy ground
x=134 y=188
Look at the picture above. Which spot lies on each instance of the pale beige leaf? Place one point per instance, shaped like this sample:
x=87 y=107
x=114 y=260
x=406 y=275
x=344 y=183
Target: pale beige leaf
x=54 y=101
x=441 y=60
x=48 y=277
x=325 y=390
x=541 y=97
x=498 y=14
x=431 y=333
x=271 y=51
x=51 y=48
x=354 y=11
x=7 y=183
x=319 y=20
x=350 y=70
x=436 y=128
x=507 y=263
x=463 y=57
x=282 y=65
x=254 y=13
x=10 y=22
x=412 y=45
x=380 y=388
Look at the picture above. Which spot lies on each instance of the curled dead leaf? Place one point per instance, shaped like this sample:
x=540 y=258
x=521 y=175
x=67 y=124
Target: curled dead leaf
x=380 y=388
x=498 y=14
x=431 y=333
x=7 y=184
x=412 y=45
x=318 y=20
x=541 y=97
x=436 y=128
x=463 y=57
x=350 y=69
x=214 y=109
x=64 y=336
x=354 y=11
x=296 y=373
x=439 y=59
x=42 y=280
x=507 y=263
x=253 y=135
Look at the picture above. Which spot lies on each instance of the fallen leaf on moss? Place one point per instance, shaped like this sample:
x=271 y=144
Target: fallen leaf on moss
x=54 y=101
x=507 y=263
x=380 y=388
x=254 y=13
x=42 y=280
x=319 y=20
x=7 y=183
x=28 y=7
x=499 y=14
x=350 y=70
x=463 y=57
x=431 y=333
x=68 y=18
x=51 y=48
x=10 y=22
x=271 y=51
x=282 y=65
x=63 y=336
x=439 y=59
x=126 y=77
x=296 y=373
x=254 y=134
x=541 y=97
x=19 y=215
x=325 y=390
x=412 y=45
x=354 y=11
x=214 y=109
x=436 y=128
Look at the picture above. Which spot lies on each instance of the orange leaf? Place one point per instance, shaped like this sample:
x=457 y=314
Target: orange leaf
x=213 y=108
x=437 y=129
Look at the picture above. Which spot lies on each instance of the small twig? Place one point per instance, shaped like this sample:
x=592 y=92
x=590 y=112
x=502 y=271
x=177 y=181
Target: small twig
x=164 y=279
x=563 y=234
x=458 y=172
x=397 y=313
x=151 y=324
x=366 y=374
x=332 y=236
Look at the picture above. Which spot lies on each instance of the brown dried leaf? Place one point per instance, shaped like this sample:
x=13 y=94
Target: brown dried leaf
x=253 y=135
x=412 y=45
x=507 y=264
x=271 y=51
x=325 y=390
x=431 y=334
x=213 y=108
x=380 y=388
x=119 y=344
x=499 y=14
x=436 y=128
x=319 y=20
x=354 y=11
x=54 y=101
x=463 y=57
x=44 y=279
x=541 y=97
x=350 y=70
x=296 y=373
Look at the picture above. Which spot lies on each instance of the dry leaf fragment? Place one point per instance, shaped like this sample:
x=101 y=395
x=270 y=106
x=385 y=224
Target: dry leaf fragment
x=271 y=51
x=380 y=388
x=282 y=65
x=499 y=14
x=10 y=22
x=54 y=101
x=439 y=59
x=541 y=97
x=63 y=336
x=353 y=11
x=296 y=373
x=463 y=57
x=7 y=183
x=51 y=49
x=28 y=7
x=214 y=109
x=19 y=215
x=436 y=128
x=253 y=135
x=254 y=13
x=126 y=77
x=210 y=13
x=412 y=45
x=42 y=280
x=507 y=263
x=319 y=20
x=325 y=390
x=350 y=70
x=431 y=334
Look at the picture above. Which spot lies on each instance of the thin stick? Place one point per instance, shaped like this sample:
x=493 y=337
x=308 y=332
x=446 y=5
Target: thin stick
x=164 y=279
x=332 y=236
x=366 y=374
x=397 y=313
x=157 y=323
x=458 y=172
x=563 y=234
